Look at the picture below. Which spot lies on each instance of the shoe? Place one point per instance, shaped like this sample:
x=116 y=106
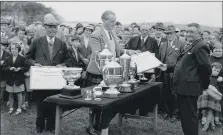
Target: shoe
x=18 y=111
x=10 y=111
x=39 y=131
x=92 y=131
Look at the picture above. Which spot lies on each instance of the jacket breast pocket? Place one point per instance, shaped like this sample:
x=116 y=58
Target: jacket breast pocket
x=192 y=79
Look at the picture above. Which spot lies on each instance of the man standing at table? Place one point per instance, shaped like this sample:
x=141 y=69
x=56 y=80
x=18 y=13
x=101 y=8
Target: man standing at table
x=191 y=76
x=47 y=51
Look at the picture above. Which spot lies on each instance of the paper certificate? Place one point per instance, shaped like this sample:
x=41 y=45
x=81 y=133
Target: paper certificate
x=47 y=78
x=145 y=61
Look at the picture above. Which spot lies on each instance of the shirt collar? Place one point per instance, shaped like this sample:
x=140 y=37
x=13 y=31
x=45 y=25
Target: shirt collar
x=144 y=38
x=48 y=38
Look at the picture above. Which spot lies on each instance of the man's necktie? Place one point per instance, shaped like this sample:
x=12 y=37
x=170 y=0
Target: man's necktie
x=110 y=35
x=51 y=42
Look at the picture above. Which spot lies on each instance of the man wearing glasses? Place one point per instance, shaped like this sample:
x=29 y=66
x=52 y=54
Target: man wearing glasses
x=47 y=51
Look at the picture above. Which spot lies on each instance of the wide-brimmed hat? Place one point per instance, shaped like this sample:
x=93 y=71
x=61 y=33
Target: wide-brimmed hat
x=63 y=24
x=49 y=19
x=159 y=26
x=4 y=21
x=170 y=29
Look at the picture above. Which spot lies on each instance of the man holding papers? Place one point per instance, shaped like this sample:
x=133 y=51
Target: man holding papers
x=47 y=51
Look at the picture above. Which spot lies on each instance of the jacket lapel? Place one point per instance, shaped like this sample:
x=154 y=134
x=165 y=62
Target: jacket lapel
x=171 y=47
x=56 y=47
x=45 y=49
x=190 y=47
x=82 y=41
x=164 y=50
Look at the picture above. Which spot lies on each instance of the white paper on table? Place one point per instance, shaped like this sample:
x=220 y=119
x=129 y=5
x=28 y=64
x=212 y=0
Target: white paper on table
x=47 y=78
x=145 y=61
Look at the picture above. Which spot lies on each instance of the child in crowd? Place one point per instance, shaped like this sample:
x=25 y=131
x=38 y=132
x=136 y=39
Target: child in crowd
x=15 y=66
x=210 y=106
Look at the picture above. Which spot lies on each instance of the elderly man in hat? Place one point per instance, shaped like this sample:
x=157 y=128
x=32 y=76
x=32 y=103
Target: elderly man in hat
x=169 y=51
x=159 y=29
x=5 y=30
x=3 y=56
x=191 y=76
x=47 y=51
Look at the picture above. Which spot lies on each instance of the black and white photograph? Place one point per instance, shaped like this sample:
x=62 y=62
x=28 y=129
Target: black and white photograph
x=111 y=67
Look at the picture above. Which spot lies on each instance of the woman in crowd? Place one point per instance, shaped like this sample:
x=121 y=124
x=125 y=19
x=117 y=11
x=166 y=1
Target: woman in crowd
x=79 y=29
x=15 y=66
x=21 y=39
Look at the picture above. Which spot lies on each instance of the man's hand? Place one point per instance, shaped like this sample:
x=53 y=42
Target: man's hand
x=17 y=69
x=1 y=63
x=86 y=61
x=220 y=79
x=163 y=67
x=12 y=68
x=37 y=65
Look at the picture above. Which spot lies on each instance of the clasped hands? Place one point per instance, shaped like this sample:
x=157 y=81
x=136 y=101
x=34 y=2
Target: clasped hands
x=15 y=69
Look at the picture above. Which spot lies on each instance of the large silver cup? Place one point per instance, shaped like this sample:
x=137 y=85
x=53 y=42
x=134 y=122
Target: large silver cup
x=125 y=61
x=71 y=76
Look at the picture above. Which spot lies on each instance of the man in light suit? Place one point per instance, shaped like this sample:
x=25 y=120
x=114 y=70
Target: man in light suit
x=47 y=51
x=169 y=51
x=191 y=75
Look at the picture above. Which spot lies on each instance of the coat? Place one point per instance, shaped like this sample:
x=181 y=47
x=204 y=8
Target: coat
x=97 y=42
x=16 y=78
x=84 y=53
x=191 y=74
x=5 y=55
x=150 y=45
x=39 y=53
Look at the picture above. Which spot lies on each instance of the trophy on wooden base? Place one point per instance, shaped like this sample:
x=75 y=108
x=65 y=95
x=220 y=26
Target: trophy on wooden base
x=70 y=90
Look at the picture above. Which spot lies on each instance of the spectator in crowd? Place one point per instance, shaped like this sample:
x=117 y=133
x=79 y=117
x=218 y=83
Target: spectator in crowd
x=206 y=35
x=84 y=49
x=191 y=76
x=118 y=30
x=79 y=29
x=30 y=35
x=152 y=31
x=169 y=51
x=134 y=24
x=182 y=37
x=159 y=29
x=20 y=38
x=3 y=56
x=216 y=34
x=47 y=51
x=136 y=31
x=15 y=66
x=207 y=103
x=5 y=30
x=213 y=38
x=97 y=27
x=126 y=38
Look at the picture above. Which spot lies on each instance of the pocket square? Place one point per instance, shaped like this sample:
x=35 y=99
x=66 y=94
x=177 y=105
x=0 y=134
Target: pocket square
x=189 y=53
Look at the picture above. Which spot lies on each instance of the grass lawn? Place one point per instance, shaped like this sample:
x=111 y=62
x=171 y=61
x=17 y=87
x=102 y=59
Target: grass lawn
x=75 y=124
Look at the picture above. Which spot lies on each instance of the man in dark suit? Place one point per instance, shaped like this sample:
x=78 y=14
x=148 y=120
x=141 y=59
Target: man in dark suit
x=169 y=51
x=47 y=51
x=191 y=75
x=3 y=56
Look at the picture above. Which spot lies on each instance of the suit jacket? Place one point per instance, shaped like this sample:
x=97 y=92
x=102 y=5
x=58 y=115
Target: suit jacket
x=97 y=42
x=192 y=71
x=5 y=55
x=16 y=78
x=149 y=45
x=84 y=53
x=74 y=61
x=39 y=53
x=170 y=54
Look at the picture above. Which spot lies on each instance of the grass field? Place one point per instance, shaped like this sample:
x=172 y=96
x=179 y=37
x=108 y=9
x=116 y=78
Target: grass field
x=75 y=124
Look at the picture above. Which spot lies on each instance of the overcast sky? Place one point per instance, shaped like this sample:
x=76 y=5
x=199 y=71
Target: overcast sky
x=206 y=13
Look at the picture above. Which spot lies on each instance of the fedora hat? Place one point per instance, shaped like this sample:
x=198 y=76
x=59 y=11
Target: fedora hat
x=213 y=92
x=49 y=19
x=159 y=26
x=170 y=29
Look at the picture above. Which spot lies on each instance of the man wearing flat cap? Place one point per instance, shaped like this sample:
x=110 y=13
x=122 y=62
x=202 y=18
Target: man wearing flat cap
x=169 y=51
x=47 y=51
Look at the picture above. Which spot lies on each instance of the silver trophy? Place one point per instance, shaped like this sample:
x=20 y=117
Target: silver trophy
x=71 y=76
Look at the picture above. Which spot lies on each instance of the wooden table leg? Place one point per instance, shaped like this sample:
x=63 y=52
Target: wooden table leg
x=104 y=131
x=120 y=116
x=155 y=111
x=58 y=120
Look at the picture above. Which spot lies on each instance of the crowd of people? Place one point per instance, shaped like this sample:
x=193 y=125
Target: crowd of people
x=50 y=43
